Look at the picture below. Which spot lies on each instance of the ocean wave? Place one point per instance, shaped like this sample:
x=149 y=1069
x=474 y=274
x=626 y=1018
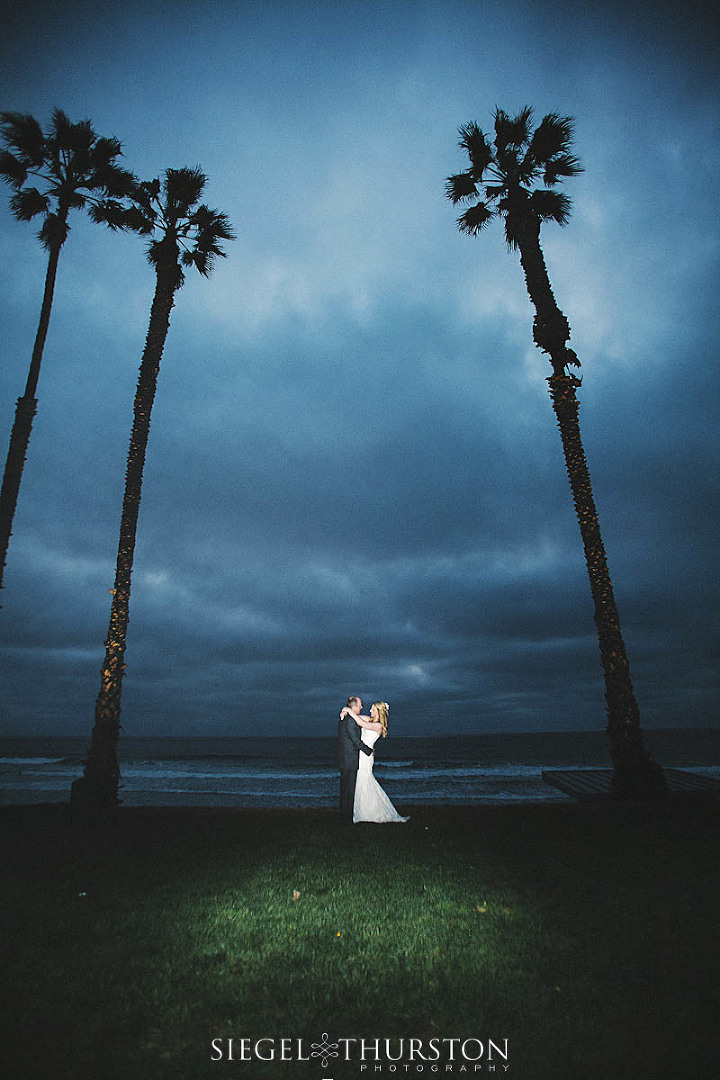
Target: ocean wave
x=312 y=772
x=17 y=761
x=271 y=773
x=177 y=774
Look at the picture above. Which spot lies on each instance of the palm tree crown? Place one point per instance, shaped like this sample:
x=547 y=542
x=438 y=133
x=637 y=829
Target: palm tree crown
x=181 y=231
x=70 y=165
x=508 y=170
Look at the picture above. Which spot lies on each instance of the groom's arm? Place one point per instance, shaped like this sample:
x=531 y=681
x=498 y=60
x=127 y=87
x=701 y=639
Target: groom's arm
x=355 y=734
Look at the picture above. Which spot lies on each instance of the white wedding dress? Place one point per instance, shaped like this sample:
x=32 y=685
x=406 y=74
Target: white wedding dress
x=371 y=802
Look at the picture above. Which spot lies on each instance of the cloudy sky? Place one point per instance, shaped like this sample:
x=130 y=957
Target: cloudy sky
x=354 y=480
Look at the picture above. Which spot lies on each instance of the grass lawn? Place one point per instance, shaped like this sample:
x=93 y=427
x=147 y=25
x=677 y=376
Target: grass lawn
x=587 y=936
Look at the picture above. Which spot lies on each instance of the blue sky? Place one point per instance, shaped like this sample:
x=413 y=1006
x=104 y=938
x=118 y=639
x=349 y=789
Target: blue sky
x=354 y=480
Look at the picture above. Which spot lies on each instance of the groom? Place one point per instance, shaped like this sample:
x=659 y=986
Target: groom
x=347 y=756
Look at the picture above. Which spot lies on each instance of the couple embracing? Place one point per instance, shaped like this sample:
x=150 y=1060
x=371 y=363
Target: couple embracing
x=361 y=797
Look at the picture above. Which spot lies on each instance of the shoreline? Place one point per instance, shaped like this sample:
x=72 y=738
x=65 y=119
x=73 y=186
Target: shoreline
x=422 y=810
x=553 y=799
x=263 y=772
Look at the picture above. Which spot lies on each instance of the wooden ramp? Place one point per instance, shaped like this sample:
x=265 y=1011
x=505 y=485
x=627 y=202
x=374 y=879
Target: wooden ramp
x=588 y=784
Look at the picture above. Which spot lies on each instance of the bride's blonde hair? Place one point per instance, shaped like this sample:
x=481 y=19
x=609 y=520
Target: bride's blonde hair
x=382 y=714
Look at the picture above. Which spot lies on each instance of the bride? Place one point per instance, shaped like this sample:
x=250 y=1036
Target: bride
x=371 y=802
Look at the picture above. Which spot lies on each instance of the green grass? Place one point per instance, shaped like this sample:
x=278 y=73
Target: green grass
x=586 y=936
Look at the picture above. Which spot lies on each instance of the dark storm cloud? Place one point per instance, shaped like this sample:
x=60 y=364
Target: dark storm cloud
x=354 y=479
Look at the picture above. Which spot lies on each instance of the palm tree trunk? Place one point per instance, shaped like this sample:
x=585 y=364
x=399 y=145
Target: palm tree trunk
x=635 y=774
x=97 y=789
x=24 y=415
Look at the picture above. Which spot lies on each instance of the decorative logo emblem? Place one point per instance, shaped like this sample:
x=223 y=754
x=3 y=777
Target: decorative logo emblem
x=324 y=1050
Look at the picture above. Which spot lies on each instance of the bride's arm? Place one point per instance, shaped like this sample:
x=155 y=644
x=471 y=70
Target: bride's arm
x=361 y=721
x=366 y=722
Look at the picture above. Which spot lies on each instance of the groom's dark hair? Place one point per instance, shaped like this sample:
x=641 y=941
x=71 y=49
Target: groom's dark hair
x=351 y=699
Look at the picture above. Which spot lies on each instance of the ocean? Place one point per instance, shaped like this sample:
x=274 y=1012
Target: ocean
x=298 y=772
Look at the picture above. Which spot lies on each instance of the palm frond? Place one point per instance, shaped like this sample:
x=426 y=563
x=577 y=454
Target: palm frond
x=459 y=187
x=105 y=173
x=475 y=218
x=145 y=199
x=560 y=167
x=552 y=136
x=508 y=163
x=494 y=191
x=22 y=133
x=551 y=205
x=201 y=260
x=210 y=228
x=502 y=120
x=474 y=141
x=112 y=180
x=527 y=170
x=118 y=217
x=76 y=138
x=183 y=188
x=28 y=203
x=151 y=188
x=512 y=132
x=212 y=222
x=139 y=222
x=223 y=228
x=105 y=150
x=107 y=212
x=74 y=145
x=73 y=200
x=12 y=170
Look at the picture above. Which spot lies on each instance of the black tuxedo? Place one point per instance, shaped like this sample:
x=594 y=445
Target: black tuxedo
x=347 y=759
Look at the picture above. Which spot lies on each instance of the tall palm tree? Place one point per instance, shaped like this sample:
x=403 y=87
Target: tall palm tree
x=502 y=180
x=69 y=167
x=182 y=233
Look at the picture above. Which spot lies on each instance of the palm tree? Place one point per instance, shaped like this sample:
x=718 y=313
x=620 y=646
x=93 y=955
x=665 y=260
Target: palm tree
x=502 y=180
x=73 y=167
x=182 y=233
